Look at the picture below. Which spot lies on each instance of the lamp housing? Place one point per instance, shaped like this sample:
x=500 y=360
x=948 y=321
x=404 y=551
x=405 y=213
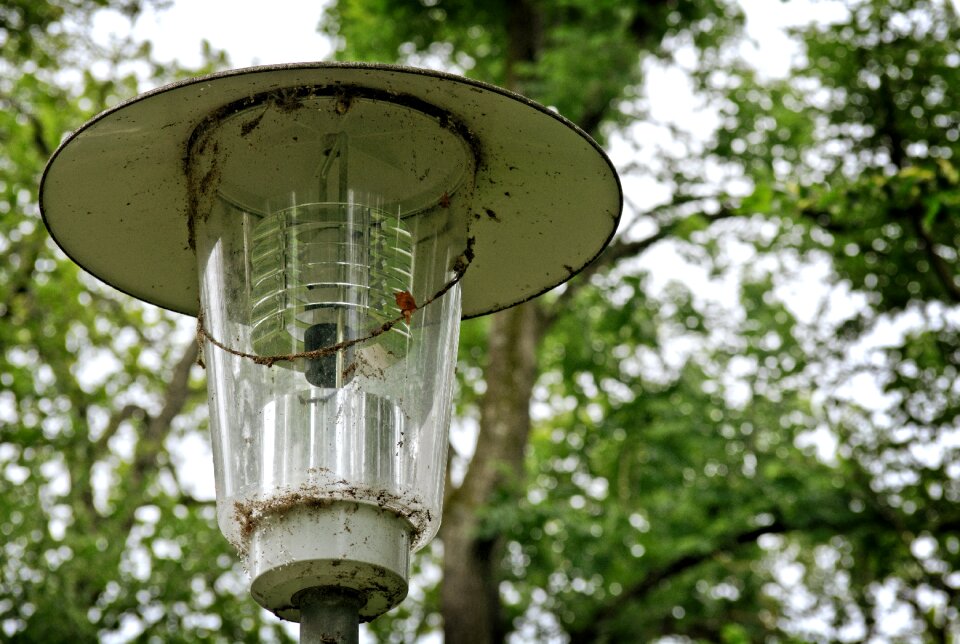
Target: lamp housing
x=330 y=224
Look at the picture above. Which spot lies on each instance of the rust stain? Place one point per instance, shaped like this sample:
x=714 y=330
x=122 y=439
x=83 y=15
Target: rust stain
x=406 y=303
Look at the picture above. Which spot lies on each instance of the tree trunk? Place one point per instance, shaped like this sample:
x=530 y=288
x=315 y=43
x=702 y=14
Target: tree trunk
x=470 y=591
x=469 y=595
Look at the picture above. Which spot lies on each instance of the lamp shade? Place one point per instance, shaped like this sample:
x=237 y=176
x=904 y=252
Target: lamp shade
x=116 y=198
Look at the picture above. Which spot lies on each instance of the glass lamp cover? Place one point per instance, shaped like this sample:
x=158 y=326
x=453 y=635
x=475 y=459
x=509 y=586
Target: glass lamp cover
x=322 y=223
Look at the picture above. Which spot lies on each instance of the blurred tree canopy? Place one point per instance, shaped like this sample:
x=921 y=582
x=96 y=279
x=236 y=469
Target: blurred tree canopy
x=740 y=424
x=98 y=394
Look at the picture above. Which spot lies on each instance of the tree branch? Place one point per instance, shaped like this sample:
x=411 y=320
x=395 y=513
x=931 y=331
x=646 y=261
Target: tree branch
x=615 y=252
x=189 y=501
x=117 y=419
x=18 y=286
x=940 y=267
x=593 y=626
x=39 y=133
x=158 y=427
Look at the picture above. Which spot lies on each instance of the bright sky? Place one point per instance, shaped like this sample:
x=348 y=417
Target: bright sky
x=287 y=32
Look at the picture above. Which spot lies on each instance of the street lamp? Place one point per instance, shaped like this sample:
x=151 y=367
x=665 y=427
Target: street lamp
x=329 y=225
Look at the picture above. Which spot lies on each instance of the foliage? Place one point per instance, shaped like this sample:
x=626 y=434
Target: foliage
x=763 y=450
x=721 y=472
x=549 y=51
x=98 y=392
x=878 y=195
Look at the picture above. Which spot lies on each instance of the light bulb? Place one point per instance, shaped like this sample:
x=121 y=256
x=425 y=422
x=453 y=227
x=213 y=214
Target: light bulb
x=325 y=274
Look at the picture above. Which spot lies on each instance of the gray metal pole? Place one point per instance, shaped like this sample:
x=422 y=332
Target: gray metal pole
x=329 y=616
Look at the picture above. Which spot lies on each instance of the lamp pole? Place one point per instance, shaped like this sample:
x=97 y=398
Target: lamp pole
x=328 y=617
